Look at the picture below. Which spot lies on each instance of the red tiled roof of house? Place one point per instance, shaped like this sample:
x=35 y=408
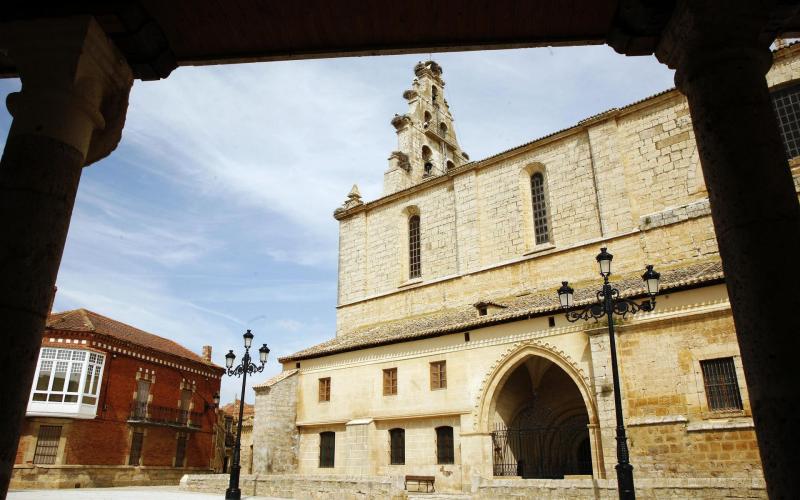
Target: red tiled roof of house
x=232 y=409
x=83 y=320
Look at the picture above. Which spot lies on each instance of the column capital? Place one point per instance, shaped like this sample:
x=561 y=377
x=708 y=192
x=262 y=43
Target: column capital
x=701 y=36
x=75 y=83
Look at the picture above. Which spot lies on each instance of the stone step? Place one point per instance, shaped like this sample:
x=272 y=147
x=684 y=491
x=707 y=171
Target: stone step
x=437 y=496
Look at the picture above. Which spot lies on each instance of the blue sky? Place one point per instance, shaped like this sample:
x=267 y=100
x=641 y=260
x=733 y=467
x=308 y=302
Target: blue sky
x=214 y=214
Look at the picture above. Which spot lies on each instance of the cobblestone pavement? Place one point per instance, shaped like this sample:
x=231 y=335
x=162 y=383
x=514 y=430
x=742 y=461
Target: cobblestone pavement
x=133 y=493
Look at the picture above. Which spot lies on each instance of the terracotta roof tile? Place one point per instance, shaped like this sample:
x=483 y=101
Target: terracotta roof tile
x=277 y=378
x=83 y=320
x=464 y=318
x=232 y=409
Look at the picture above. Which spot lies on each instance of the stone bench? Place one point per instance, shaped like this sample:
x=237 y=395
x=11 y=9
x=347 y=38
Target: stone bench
x=420 y=480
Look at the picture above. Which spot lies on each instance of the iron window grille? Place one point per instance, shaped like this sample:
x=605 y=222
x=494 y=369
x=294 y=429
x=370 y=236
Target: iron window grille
x=390 y=382
x=136 y=448
x=540 y=228
x=327 y=449
x=444 y=445
x=325 y=389
x=397 y=441
x=414 y=261
x=439 y=375
x=722 y=387
x=786 y=103
x=47 y=444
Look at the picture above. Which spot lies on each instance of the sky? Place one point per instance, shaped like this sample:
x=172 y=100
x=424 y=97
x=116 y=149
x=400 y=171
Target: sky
x=215 y=213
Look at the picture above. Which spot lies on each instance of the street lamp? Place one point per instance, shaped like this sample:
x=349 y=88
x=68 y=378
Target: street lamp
x=609 y=303
x=215 y=403
x=233 y=492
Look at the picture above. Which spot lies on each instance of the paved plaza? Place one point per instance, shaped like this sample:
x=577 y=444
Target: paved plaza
x=132 y=493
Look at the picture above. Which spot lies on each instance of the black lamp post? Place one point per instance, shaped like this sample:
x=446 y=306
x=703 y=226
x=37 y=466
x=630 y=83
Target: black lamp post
x=609 y=303
x=233 y=492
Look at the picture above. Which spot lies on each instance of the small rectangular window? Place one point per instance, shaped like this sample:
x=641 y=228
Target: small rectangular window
x=325 y=389
x=390 y=382
x=136 y=448
x=438 y=375
x=327 y=449
x=47 y=444
x=397 y=445
x=722 y=387
x=444 y=445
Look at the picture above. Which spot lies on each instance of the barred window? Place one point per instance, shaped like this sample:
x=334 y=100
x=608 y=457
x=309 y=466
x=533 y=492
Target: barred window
x=397 y=441
x=414 y=267
x=444 y=445
x=722 y=387
x=47 y=444
x=786 y=103
x=327 y=449
x=438 y=375
x=390 y=382
x=136 y=448
x=325 y=389
x=180 y=450
x=539 y=209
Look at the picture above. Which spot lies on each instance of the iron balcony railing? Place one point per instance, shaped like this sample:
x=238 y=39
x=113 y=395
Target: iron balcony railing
x=161 y=415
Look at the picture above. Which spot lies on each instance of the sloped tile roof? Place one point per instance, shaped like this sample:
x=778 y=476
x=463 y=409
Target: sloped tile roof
x=83 y=320
x=277 y=378
x=232 y=409
x=465 y=318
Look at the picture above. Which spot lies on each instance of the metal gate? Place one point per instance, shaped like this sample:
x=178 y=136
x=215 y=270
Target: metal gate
x=534 y=447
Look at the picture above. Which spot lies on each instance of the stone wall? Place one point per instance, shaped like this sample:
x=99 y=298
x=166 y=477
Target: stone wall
x=301 y=487
x=275 y=437
x=629 y=177
x=606 y=489
x=363 y=488
x=29 y=476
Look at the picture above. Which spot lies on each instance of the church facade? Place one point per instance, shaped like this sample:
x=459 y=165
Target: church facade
x=453 y=360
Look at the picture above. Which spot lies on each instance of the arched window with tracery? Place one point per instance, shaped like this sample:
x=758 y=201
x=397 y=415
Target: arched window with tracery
x=414 y=260
x=540 y=222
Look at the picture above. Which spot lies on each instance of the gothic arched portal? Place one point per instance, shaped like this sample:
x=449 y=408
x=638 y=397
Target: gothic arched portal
x=539 y=412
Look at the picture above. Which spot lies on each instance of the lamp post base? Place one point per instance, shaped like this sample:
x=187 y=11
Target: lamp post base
x=625 y=482
x=234 y=492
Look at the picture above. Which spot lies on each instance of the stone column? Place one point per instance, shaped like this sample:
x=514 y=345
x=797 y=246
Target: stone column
x=721 y=58
x=69 y=113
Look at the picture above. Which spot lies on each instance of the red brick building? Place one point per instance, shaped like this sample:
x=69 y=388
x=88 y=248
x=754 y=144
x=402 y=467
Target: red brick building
x=114 y=405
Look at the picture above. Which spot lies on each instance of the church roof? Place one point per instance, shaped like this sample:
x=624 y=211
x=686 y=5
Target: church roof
x=517 y=308
x=83 y=320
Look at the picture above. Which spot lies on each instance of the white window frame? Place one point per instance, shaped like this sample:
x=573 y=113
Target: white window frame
x=52 y=401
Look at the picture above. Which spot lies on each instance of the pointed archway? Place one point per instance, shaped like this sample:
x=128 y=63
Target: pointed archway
x=541 y=415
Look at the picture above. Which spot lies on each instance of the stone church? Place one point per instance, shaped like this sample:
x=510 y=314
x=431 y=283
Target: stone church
x=454 y=367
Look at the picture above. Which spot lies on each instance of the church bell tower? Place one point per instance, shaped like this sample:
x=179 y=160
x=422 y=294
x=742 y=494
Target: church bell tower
x=426 y=138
